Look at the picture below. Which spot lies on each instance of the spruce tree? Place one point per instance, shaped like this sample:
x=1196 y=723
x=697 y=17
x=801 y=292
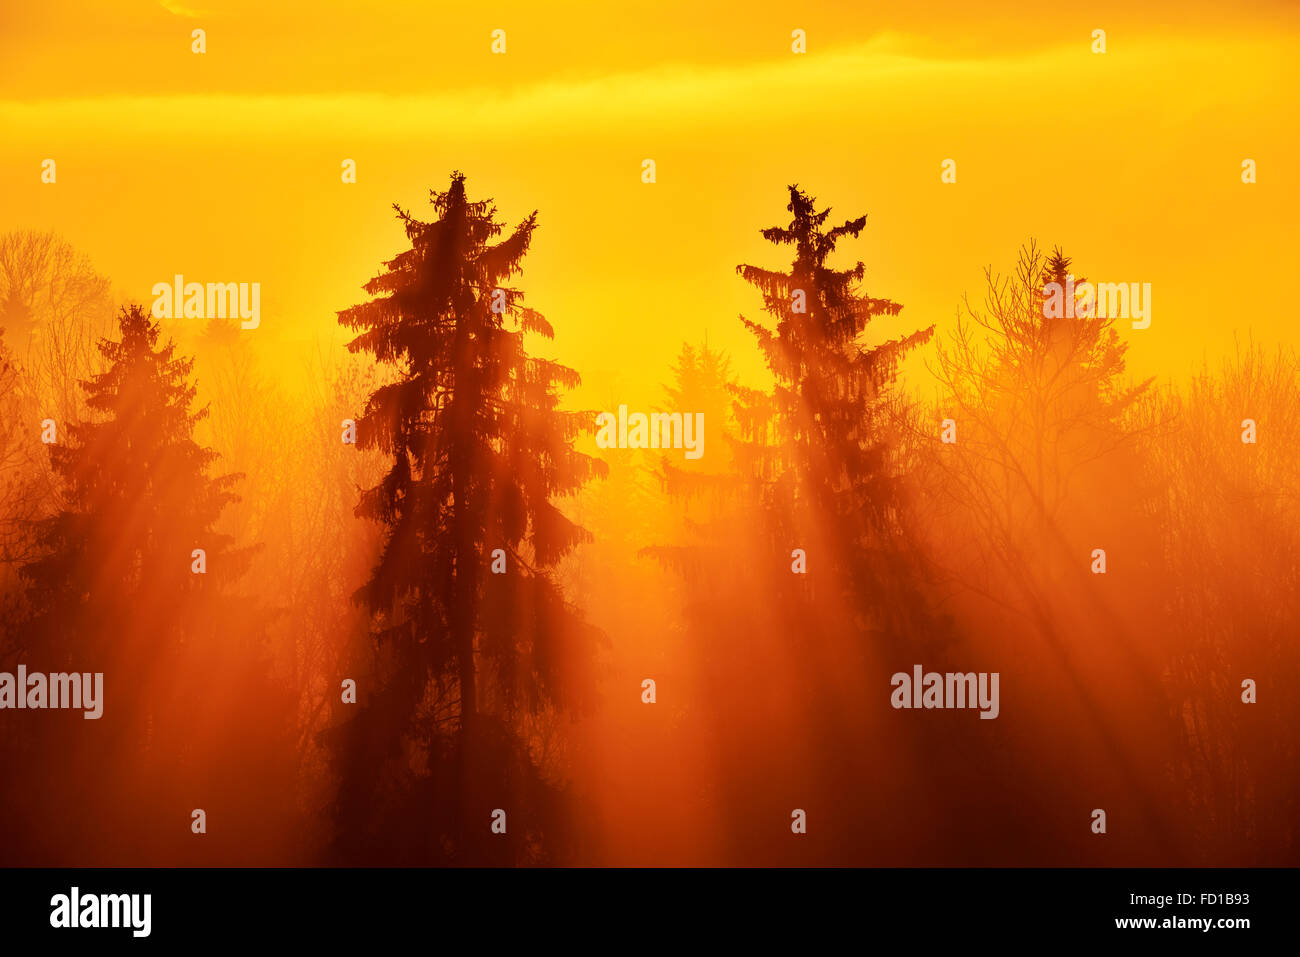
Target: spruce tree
x=471 y=661
x=137 y=497
x=1048 y=467
x=702 y=491
x=815 y=470
x=1043 y=402
x=119 y=588
x=818 y=447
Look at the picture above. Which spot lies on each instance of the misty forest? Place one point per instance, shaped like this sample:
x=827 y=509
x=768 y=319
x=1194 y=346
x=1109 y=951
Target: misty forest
x=417 y=615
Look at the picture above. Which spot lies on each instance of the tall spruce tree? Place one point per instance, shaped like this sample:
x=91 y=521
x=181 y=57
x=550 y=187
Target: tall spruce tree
x=819 y=446
x=475 y=644
x=816 y=488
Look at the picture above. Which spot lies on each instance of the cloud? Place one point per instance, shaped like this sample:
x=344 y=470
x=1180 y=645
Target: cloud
x=171 y=6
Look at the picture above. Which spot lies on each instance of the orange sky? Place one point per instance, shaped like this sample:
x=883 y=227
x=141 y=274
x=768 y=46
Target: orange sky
x=225 y=166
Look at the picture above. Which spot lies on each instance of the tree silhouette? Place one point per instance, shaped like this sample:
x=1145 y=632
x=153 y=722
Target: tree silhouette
x=118 y=588
x=819 y=445
x=137 y=494
x=1047 y=467
x=470 y=660
x=1040 y=402
x=702 y=382
x=707 y=505
x=814 y=468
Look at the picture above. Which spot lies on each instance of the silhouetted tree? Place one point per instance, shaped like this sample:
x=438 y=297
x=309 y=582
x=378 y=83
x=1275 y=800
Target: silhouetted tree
x=471 y=660
x=120 y=589
x=814 y=468
x=819 y=445
x=702 y=382
x=135 y=485
x=1047 y=467
x=1040 y=403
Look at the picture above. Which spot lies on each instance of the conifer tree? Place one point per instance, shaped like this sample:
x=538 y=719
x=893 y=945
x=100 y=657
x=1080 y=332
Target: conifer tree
x=802 y=564
x=473 y=634
x=1042 y=402
x=818 y=447
x=701 y=490
x=120 y=587
x=137 y=494
x=1042 y=487
x=702 y=381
